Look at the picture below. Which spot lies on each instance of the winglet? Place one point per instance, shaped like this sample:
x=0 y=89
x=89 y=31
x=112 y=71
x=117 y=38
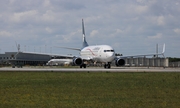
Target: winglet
x=163 y=49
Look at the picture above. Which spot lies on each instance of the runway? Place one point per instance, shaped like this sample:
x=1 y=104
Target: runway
x=89 y=69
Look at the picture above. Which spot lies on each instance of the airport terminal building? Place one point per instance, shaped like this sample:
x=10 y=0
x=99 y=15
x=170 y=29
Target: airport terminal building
x=147 y=62
x=24 y=58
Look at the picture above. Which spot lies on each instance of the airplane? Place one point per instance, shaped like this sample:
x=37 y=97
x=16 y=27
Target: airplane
x=99 y=54
x=53 y=62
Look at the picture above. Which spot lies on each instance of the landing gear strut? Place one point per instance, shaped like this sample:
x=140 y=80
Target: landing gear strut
x=108 y=65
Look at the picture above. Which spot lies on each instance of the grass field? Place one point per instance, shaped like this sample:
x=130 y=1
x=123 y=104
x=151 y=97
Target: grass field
x=89 y=90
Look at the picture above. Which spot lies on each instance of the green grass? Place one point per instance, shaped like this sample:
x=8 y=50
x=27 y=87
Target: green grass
x=89 y=90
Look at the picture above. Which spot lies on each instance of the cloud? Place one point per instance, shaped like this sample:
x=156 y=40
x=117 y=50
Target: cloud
x=157 y=36
x=119 y=31
x=160 y=20
x=49 y=30
x=46 y=3
x=94 y=33
x=49 y=16
x=23 y=16
x=157 y=20
x=5 y=34
x=58 y=22
x=177 y=30
x=141 y=9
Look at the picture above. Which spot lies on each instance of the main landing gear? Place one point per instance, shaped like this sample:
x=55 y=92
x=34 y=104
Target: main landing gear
x=83 y=65
x=108 y=65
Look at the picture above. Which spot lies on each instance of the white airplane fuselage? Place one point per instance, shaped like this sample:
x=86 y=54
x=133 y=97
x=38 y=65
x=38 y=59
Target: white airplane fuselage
x=99 y=53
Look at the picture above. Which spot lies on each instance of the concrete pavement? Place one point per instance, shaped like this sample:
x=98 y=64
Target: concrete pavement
x=90 y=69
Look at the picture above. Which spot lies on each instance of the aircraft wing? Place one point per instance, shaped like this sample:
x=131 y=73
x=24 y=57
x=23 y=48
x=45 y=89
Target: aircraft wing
x=129 y=56
x=78 y=49
x=62 y=55
x=145 y=54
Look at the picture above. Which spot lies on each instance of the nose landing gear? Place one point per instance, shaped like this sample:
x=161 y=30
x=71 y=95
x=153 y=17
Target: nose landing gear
x=108 y=65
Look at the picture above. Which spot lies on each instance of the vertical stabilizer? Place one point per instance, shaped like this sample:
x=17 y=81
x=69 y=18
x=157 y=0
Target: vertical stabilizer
x=85 y=44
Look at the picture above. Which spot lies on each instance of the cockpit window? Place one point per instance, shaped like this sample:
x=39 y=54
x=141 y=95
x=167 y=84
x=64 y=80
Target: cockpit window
x=108 y=50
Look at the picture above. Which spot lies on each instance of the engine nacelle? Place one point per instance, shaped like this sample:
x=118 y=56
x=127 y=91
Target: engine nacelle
x=77 y=61
x=120 y=62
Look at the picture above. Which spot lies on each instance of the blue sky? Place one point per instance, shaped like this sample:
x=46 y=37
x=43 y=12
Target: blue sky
x=130 y=26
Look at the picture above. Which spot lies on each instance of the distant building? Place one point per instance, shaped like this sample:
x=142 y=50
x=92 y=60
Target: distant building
x=24 y=58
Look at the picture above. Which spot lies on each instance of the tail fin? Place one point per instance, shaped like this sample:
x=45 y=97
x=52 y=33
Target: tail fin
x=85 y=44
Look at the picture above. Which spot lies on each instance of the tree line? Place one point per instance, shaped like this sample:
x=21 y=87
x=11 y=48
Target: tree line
x=173 y=59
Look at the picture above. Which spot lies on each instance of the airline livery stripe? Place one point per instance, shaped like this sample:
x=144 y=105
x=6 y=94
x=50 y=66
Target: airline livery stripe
x=91 y=52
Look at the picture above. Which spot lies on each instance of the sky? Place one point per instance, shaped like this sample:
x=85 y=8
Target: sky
x=131 y=27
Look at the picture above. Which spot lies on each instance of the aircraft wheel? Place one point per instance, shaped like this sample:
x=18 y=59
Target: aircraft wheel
x=109 y=66
x=84 y=65
x=105 y=66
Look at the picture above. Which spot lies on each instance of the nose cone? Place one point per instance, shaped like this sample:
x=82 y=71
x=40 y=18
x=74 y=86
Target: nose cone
x=110 y=56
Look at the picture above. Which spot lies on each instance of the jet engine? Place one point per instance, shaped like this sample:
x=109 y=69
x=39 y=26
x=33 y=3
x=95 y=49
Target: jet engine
x=120 y=62
x=77 y=61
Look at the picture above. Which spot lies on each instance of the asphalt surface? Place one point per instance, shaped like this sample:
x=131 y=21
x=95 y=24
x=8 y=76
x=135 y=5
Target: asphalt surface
x=90 y=69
